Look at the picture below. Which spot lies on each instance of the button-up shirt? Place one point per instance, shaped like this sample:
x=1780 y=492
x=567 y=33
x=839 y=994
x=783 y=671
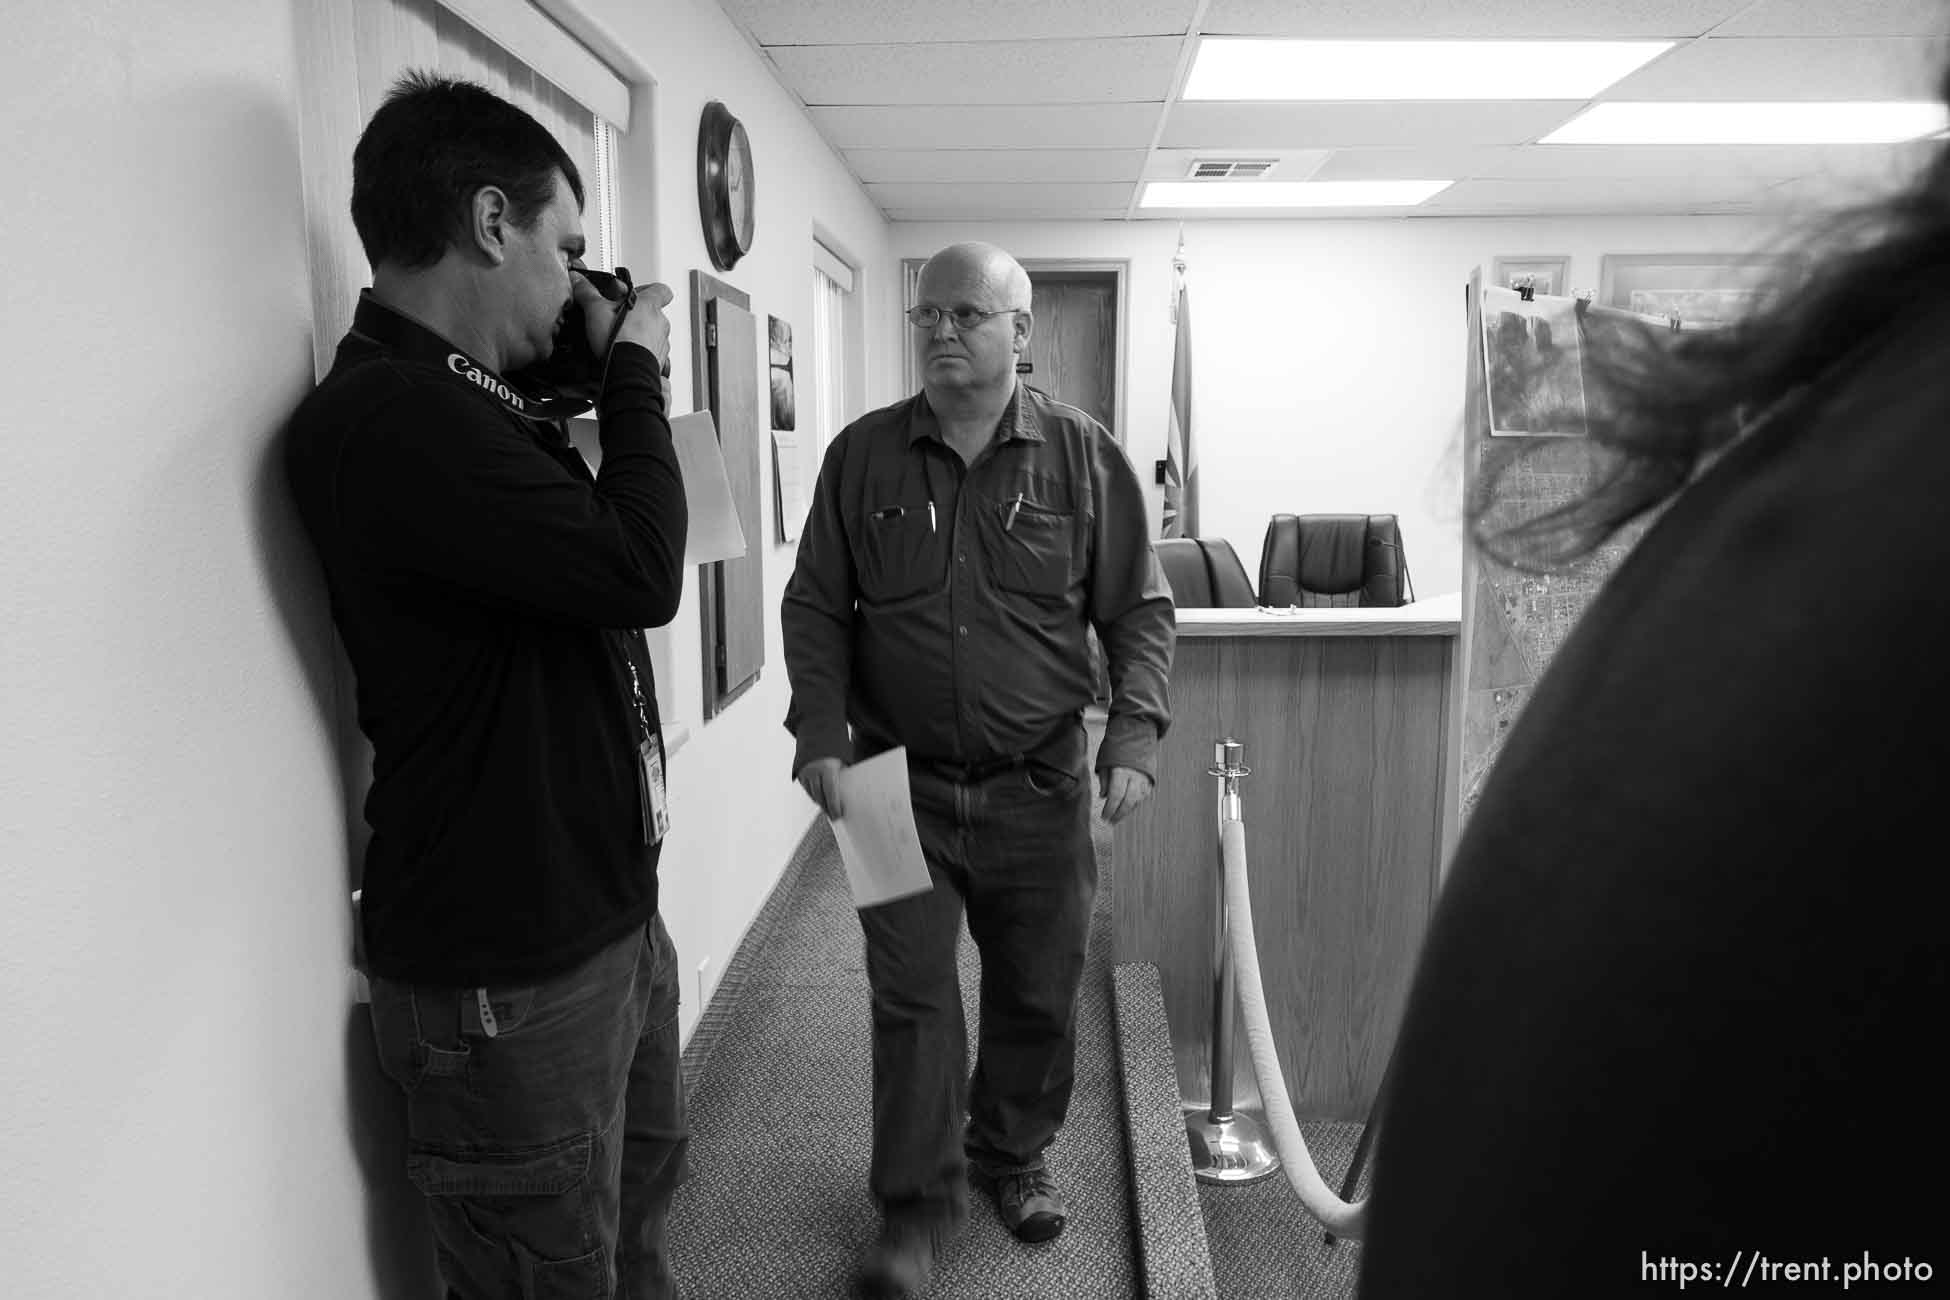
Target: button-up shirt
x=943 y=606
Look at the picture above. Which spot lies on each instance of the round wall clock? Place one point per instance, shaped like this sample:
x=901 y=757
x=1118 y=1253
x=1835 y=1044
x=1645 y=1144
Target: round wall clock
x=725 y=199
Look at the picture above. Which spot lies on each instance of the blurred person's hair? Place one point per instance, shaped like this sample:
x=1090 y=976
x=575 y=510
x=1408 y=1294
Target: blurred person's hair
x=430 y=147
x=1663 y=404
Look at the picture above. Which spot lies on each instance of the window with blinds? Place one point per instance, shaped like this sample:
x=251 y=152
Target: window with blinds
x=353 y=51
x=831 y=348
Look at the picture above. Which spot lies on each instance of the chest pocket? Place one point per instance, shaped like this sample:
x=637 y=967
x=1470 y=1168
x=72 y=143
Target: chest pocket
x=1030 y=548
x=900 y=554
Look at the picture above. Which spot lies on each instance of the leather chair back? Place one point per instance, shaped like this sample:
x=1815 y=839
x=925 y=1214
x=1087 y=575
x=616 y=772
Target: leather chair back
x=1204 y=573
x=1231 y=588
x=1184 y=566
x=1332 y=560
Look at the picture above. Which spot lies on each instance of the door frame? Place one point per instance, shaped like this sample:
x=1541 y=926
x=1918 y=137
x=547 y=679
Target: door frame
x=1118 y=268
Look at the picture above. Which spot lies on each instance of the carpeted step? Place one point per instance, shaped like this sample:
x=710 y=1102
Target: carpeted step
x=1170 y=1227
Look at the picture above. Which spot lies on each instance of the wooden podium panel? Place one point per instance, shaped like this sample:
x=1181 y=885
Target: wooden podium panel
x=1350 y=740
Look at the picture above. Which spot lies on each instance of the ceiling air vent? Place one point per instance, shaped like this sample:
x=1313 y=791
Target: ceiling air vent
x=1230 y=169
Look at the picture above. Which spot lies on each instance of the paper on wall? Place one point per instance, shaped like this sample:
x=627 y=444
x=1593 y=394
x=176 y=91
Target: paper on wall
x=789 y=485
x=714 y=533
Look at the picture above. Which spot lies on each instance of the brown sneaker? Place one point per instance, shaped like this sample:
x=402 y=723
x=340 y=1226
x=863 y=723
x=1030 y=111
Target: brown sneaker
x=1028 y=1202
x=898 y=1265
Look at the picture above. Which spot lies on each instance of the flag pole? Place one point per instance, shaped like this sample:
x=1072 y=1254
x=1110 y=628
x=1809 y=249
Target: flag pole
x=1178 y=272
x=1180 y=512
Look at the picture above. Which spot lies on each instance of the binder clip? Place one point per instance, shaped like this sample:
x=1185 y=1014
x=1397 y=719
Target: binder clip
x=1527 y=289
x=1583 y=301
x=1672 y=320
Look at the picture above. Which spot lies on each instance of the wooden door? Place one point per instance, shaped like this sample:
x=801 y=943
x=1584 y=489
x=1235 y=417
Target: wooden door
x=1073 y=350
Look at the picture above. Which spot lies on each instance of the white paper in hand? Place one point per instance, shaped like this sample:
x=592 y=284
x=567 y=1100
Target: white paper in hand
x=878 y=840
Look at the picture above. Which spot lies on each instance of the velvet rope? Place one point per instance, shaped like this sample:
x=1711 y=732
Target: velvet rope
x=1341 y=1218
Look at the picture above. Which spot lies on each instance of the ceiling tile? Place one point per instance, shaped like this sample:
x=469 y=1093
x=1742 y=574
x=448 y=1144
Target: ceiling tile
x=1434 y=19
x=1828 y=189
x=1237 y=127
x=1003 y=166
x=990 y=126
x=864 y=22
x=1288 y=164
x=1841 y=18
x=1000 y=72
x=1840 y=68
x=1596 y=195
x=1272 y=214
x=1026 y=214
x=973 y=200
x=1577 y=162
x=1408 y=164
x=1018 y=111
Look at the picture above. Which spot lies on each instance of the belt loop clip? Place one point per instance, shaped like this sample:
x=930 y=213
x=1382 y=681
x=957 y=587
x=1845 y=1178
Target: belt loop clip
x=488 y=1024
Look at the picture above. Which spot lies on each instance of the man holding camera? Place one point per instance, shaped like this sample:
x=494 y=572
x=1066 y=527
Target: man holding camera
x=490 y=593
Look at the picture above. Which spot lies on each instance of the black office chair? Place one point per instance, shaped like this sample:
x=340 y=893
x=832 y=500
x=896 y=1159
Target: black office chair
x=1333 y=560
x=1204 y=573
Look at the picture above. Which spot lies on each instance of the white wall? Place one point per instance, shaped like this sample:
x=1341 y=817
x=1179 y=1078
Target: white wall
x=1327 y=355
x=173 y=1098
x=187 y=1102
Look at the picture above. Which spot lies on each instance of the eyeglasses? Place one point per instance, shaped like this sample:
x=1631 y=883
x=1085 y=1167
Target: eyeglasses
x=965 y=318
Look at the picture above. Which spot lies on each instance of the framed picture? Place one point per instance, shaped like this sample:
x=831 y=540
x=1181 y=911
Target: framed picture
x=1550 y=276
x=1533 y=365
x=784 y=409
x=1690 y=290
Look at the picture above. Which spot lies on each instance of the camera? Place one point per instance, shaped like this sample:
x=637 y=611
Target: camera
x=574 y=370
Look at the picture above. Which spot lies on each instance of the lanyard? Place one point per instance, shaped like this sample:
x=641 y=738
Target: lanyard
x=377 y=323
x=636 y=688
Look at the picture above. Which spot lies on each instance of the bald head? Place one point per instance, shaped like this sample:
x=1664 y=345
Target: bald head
x=973 y=364
x=986 y=263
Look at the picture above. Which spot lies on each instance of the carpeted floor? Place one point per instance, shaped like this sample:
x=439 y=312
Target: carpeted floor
x=778 y=1070
x=777 y=1206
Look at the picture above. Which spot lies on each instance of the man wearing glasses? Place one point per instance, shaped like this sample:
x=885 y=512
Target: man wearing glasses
x=959 y=545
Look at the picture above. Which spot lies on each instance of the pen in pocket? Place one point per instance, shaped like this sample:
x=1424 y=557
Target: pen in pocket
x=930 y=515
x=1013 y=510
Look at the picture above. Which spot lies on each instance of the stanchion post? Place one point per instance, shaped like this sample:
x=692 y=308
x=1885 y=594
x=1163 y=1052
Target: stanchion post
x=1227 y=1146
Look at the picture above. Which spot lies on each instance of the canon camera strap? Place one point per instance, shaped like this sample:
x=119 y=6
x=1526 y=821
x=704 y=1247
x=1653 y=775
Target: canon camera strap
x=412 y=341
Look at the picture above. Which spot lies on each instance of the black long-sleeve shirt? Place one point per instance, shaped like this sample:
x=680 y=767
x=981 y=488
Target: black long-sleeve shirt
x=486 y=587
x=943 y=606
x=1675 y=1006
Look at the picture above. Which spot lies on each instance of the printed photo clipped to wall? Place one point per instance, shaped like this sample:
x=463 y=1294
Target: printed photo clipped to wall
x=783 y=412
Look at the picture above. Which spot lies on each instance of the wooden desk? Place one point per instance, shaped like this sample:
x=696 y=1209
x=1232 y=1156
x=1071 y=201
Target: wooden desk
x=1346 y=716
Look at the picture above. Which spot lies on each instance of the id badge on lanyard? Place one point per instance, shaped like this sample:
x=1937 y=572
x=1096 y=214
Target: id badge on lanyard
x=653 y=801
x=655 y=805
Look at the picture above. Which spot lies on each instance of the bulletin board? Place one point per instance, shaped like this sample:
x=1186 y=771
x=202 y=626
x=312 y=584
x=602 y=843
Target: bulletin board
x=731 y=593
x=1514 y=621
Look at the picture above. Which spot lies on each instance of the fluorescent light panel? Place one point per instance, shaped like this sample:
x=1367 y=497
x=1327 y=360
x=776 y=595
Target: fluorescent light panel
x=1787 y=123
x=1248 y=69
x=1289 y=194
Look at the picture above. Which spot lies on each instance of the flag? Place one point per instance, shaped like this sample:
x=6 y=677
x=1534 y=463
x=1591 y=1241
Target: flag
x=1181 y=463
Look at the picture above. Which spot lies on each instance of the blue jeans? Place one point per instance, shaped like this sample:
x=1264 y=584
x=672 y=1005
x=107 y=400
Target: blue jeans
x=1014 y=850
x=548 y=1150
